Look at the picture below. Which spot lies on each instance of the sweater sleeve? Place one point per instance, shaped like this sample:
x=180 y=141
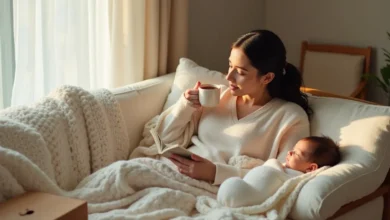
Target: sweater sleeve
x=177 y=124
x=238 y=166
x=224 y=171
x=294 y=133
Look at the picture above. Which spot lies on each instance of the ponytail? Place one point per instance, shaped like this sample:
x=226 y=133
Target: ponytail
x=290 y=87
x=267 y=53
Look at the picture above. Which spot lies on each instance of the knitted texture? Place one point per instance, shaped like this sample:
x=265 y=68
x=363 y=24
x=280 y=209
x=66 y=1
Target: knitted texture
x=142 y=188
x=68 y=134
x=276 y=207
x=74 y=143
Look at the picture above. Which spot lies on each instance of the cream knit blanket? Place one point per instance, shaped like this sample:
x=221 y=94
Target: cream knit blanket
x=73 y=143
x=68 y=135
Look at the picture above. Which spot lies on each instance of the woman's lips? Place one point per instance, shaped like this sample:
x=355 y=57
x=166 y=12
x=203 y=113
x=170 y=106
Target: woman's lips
x=232 y=87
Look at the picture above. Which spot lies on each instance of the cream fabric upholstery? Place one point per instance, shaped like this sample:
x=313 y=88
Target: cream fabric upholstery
x=332 y=72
x=362 y=131
x=140 y=102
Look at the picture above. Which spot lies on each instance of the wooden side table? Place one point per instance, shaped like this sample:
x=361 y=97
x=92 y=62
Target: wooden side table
x=43 y=206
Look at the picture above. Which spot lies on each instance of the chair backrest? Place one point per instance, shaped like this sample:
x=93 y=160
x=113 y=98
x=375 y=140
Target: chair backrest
x=335 y=68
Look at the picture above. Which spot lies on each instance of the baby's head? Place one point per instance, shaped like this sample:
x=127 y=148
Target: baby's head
x=313 y=152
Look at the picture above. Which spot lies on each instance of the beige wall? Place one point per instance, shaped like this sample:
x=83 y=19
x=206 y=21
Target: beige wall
x=215 y=24
x=350 y=22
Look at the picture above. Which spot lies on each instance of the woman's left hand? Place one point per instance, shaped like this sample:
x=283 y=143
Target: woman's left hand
x=197 y=168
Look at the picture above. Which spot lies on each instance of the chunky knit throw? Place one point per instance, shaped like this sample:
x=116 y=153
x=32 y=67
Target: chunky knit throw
x=69 y=134
x=74 y=143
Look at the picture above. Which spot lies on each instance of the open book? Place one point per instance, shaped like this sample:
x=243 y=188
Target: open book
x=166 y=150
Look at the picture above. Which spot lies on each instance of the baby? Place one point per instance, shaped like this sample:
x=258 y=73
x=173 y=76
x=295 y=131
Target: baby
x=261 y=182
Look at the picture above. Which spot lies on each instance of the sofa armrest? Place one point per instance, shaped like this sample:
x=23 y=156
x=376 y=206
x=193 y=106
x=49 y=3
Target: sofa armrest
x=142 y=101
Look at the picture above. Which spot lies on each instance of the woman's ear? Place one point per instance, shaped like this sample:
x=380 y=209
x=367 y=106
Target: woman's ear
x=267 y=78
x=312 y=167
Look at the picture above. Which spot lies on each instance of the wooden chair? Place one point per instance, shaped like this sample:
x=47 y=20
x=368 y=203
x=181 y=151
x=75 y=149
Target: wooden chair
x=336 y=69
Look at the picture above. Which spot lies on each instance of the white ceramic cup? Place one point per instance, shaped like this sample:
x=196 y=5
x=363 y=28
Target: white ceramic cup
x=209 y=95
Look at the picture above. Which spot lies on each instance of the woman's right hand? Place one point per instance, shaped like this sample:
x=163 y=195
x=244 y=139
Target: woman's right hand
x=192 y=95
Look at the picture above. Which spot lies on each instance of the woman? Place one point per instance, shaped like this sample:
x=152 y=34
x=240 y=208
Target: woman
x=262 y=114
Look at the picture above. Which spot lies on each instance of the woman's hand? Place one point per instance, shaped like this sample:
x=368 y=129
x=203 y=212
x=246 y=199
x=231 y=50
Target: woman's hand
x=197 y=168
x=192 y=95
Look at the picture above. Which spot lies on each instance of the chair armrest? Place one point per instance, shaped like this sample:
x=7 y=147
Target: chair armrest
x=317 y=92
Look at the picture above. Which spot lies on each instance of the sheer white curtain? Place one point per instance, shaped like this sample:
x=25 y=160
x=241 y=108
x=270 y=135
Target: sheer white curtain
x=7 y=61
x=94 y=43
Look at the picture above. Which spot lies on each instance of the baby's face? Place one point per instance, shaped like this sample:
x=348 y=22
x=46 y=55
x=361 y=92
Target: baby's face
x=297 y=159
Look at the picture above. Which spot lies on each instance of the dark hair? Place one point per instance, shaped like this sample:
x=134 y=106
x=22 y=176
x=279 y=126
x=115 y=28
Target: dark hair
x=325 y=153
x=267 y=53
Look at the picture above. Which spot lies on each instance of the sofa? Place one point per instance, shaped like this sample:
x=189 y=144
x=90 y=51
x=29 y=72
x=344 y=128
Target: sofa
x=357 y=188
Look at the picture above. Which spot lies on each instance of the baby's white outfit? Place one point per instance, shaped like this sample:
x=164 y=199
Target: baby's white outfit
x=257 y=185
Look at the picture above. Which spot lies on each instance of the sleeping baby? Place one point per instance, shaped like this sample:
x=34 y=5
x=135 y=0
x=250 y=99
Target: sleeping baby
x=263 y=181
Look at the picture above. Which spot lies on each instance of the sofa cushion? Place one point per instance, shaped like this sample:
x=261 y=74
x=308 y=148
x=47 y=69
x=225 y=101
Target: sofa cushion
x=140 y=102
x=362 y=131
x=187 y=74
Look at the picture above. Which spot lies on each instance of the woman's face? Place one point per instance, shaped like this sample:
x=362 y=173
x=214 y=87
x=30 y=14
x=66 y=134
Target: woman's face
x=242 y=76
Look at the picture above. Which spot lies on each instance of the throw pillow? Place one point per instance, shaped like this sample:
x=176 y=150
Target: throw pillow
x=187 y=74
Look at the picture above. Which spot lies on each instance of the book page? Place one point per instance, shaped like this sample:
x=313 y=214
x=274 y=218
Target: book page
x=177 y=150
x=157 y=140
x=165 y=150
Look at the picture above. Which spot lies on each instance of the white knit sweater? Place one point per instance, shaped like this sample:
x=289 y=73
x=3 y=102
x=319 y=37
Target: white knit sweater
x=218 y=135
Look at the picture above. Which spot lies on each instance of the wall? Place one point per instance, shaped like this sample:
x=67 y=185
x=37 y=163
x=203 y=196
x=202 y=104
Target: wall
x=215 y=24
x=349 y=22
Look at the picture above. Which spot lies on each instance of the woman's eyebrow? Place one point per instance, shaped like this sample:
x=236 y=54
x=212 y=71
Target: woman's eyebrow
x=240 y=67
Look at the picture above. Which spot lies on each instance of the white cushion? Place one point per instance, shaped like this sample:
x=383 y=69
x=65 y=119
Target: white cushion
x=333 y=72
x=140 y=102
x=187 y=74
x=362 y=131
